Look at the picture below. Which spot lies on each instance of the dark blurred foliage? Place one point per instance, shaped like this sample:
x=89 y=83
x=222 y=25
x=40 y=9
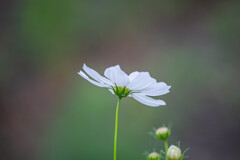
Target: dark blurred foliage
x=48 y=112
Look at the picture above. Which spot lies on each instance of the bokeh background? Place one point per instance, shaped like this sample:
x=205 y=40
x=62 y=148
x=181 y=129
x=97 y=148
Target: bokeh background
x=48 y=112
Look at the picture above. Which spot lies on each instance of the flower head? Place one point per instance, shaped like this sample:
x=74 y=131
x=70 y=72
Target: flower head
x=162 y=132
x=153 y=156
x=139 y=85
x=174 y=153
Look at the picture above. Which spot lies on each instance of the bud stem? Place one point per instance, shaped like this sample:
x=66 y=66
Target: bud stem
x=166 y=147
x=116 y=129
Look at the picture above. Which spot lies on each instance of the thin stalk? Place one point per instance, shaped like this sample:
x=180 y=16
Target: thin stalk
x=116 y=130
x=166 y=147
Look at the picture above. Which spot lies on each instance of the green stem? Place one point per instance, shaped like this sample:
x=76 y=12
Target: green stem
x=166 y=147
x=116 y=129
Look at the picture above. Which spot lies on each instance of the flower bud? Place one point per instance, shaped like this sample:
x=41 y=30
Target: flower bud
x=153 y=156
x=174 y=153
x=162 y=132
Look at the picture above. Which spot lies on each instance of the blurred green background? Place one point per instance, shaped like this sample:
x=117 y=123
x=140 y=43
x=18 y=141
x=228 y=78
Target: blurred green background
x=48 y=112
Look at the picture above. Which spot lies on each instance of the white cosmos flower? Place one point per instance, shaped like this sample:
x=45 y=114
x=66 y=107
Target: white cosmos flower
x=139 y=85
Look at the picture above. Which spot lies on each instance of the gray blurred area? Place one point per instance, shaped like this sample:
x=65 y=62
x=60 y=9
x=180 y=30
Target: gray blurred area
x=48 y=112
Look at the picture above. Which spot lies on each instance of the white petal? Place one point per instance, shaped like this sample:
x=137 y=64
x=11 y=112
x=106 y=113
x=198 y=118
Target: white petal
x=91 y=81
x=156 y=93
x=93 y=74
x=147 y=100
x=117 y=76
x=141 y=81
x=111 y=91
x=133 y=75
x=156 y=89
